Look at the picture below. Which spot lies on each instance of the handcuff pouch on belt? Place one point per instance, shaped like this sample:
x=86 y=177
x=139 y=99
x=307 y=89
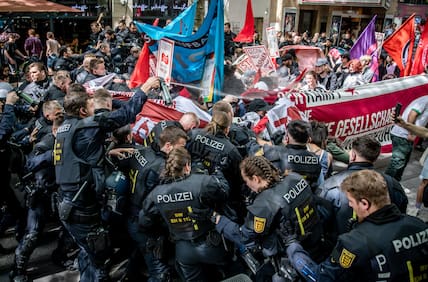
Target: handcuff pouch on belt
x=98 y=240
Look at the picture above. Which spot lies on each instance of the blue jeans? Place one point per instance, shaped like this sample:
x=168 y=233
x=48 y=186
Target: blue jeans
x=401 y=151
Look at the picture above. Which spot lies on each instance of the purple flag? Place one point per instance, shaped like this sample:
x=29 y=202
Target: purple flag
x=366 y=44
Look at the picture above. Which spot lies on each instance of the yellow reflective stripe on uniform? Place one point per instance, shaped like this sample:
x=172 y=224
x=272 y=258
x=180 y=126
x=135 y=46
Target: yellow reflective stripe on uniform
x=259 y=152
x=195 y=225
x=57 y=153
x=133 y=177
x=410 y=268
x=299 y=219
x=354 y=215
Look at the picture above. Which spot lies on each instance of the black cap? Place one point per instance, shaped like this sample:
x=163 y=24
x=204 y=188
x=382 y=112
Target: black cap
x=258 y=105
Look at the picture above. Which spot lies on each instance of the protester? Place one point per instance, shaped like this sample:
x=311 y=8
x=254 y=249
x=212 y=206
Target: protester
x=311 y=82
x=366 y=71
x=318 y=145
x=402 y=140
x=422 y=191
x=354 y=77
x=325 y=75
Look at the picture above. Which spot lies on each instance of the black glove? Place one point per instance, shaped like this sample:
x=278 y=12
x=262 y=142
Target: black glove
x=287 y=233
x=277 y=137
x=223 y=164
x=350 y=224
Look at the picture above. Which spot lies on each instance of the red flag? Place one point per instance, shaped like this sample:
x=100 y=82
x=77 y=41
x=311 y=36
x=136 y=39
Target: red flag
x=142 y=68
x=421 y=57
x=247 y=32
x=400 y=45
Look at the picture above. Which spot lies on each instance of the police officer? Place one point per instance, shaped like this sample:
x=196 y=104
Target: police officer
x=187 y=122
x=78 y=155
x=294 y=156
x=276 y=200
x=143 y=166
x=211 y=148
x=65 y=60
x=385 y=244
x=177 y=200
x=365 y=150
x=38 y=187
x=43 y=125
x=7 y=122
x=40 y=82
x=239 y=135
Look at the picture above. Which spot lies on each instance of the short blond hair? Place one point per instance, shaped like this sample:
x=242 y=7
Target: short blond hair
x=367 y=184
x=367 y=58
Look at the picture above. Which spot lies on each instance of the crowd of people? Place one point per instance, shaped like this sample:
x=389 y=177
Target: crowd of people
x=191 y=203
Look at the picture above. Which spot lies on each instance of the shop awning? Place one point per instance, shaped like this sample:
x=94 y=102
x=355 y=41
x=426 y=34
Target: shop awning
x=34 y=6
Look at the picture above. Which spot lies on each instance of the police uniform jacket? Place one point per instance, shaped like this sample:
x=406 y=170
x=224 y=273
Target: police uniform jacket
x=292 y=157
x=330 y=190
x=216 y=151
x=37 y=90
x=6 y=124
x=55 y=93
x=42 y=154
x=290 y=199
x=153 y=137
x=79 y=147
x=386 y=246
x=143 y=168
x=45 y=127
x=178 y=201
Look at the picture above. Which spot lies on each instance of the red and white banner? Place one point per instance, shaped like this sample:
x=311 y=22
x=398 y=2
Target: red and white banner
x=154 y=111
x=363 y=110
x=260 y=59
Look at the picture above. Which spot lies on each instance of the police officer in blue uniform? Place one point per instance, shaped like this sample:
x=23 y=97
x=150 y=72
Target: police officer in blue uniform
x=210 y=148
x=294 y=156
x=143 y=166
x=178 y=200
x=39 y=186
x=78 y=155
x=7 y=123
x=277 y=200
x=365 y=150
x=187 y=122
x=385 y=245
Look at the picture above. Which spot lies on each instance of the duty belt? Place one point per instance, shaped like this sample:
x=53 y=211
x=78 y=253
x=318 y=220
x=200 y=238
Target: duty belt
x=78 y=217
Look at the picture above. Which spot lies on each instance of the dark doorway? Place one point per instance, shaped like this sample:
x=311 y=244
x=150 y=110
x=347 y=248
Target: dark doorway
x=307 y=21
